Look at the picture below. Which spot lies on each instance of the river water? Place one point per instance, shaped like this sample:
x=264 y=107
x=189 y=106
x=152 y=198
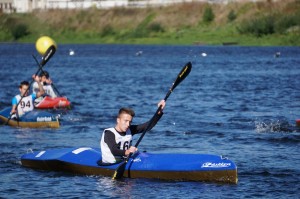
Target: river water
x=240 y=102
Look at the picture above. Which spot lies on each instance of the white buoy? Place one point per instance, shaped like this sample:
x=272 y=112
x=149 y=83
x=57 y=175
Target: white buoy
x=139 y=53
x=203 y=54
x=277 y=54
x=71 y=52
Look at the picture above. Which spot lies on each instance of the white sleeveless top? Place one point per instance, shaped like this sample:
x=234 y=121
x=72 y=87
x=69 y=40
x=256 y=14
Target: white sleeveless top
x=123 y=141
x=48 y=91
x=25 y=105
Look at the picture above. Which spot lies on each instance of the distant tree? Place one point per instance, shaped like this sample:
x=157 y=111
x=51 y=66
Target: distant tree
x=208 y=15
x=107 y=31
x=155 y=27
x=19 y=30
x=231 y=16
x=258 y=26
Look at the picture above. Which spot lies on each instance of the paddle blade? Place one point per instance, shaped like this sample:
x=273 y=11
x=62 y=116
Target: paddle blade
x=48 y=54
x=183 y=74
x=120 y=170
x=185 y=71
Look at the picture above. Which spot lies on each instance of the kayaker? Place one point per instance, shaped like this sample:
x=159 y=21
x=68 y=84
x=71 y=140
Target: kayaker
x=26 y=103
x=46 y=82
x=116 y=142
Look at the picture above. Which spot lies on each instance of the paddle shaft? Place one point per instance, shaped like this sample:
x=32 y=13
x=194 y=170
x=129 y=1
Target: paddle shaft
x=54 y=87
x=181 y=76
x=150 y=122
x=49 y=53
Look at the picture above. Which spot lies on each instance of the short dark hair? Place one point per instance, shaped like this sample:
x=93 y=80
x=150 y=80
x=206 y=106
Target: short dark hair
x=23 y=83
x=44 y=73
x=128 y=111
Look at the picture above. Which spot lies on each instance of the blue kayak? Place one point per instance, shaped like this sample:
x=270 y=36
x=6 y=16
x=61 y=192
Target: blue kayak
x=31 y=119
x=182 y=167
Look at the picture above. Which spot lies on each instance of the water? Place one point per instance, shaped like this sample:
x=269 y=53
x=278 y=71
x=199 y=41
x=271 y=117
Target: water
x=240 y=102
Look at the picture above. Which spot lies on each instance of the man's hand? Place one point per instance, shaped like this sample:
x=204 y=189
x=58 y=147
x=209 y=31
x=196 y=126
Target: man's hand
x=132 y=149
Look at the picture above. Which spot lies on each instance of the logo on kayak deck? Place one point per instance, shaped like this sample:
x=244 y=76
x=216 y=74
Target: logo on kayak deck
x=215 y=165
x=44 y=119
x=137 y=160
x=61 y=103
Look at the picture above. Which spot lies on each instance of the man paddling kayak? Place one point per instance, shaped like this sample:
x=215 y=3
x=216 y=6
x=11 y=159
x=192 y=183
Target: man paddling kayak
x=46 y=82
x=116 y=142
x=24 y=102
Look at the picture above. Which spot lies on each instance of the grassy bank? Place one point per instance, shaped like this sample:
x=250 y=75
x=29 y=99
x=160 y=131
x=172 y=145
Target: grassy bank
x=261 y=24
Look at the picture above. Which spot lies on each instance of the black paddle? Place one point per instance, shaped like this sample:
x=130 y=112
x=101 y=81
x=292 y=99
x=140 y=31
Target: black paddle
x=181 y=76
x=54 y=87
x=48 y=54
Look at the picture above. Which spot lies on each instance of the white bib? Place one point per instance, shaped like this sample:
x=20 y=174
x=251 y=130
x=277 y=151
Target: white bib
x=124 y=143
x=25 y=105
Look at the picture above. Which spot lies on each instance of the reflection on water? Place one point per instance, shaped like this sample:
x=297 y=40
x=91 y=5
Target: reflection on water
x=115 y=188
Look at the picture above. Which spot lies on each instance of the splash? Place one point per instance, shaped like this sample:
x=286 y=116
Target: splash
x=273 y=127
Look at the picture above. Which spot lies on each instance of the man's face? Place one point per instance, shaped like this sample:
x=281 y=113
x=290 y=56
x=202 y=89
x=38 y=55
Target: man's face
x=23 y=90
x=43 y=78
x=123 y=122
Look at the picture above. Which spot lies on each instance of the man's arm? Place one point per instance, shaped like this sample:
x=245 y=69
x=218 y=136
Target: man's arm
x=41 y=89
x=35 y=87
x=14 y=105
x=135 y=129
x=142 y=127
x=109 y=139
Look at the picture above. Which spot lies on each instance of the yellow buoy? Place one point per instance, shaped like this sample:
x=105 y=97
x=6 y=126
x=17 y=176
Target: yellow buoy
x=43 y=44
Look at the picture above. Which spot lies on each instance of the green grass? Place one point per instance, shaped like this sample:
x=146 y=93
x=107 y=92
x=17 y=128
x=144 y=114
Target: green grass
x=188 y=36
x=175 y=25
